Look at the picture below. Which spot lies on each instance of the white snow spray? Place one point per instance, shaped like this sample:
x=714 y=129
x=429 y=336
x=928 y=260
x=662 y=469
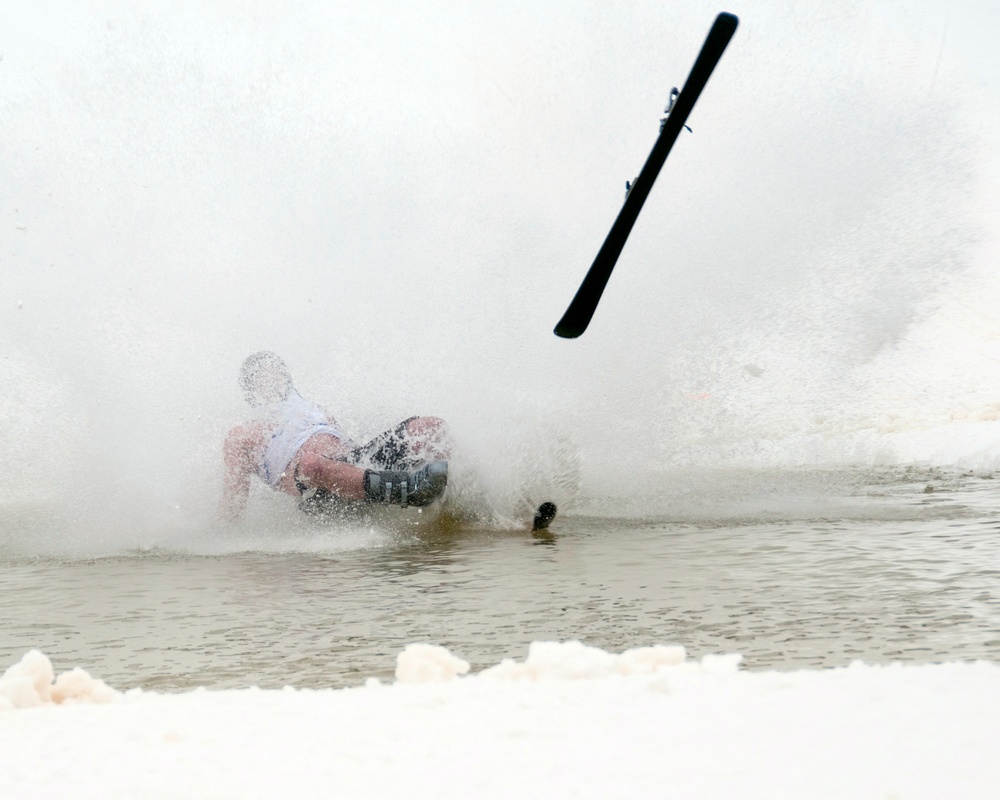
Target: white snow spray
x=402 y=201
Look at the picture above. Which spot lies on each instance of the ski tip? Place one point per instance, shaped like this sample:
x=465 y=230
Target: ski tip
x=728 y=20
x=576 y=319
x=545 y=514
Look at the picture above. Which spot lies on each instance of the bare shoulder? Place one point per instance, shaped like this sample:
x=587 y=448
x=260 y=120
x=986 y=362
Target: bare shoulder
x=248 y=436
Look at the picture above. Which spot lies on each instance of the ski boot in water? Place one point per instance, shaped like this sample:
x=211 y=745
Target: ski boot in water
x=545 y=514
x=419 y=488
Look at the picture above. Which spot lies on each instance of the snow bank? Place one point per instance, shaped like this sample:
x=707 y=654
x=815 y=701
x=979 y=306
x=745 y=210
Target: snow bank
x=428 y=662
x=31 y=682
x=568 y=721
x=574 y=660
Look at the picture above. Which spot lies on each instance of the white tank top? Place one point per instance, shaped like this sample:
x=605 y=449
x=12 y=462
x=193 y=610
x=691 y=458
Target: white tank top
x=292 y=422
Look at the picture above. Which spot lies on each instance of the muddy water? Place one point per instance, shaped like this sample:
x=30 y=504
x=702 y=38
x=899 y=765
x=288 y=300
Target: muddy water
x=915 y=577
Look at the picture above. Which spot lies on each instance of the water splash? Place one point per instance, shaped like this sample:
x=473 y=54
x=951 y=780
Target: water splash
x=402 y=202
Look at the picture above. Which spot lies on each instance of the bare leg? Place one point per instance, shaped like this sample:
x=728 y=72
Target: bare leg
x=428 y=439
x=318 y=466
x=338 y=477
x=422 y=441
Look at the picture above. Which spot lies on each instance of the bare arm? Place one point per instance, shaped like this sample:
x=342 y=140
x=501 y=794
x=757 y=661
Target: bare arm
x=240 y=453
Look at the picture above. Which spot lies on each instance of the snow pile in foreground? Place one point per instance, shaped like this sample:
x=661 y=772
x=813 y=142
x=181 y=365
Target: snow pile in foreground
x=568 y=721
x=32 y=682
x=560 y=660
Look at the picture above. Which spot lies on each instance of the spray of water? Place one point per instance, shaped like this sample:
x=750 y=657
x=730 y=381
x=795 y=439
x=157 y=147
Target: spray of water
x=402 y=201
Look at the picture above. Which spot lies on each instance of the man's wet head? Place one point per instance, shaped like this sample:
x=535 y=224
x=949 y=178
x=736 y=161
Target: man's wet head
x=264 y=378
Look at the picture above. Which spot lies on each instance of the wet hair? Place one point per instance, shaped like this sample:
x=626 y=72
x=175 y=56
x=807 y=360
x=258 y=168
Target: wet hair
x=264 y=378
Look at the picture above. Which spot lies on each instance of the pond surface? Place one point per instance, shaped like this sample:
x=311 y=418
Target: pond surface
x=907 y=575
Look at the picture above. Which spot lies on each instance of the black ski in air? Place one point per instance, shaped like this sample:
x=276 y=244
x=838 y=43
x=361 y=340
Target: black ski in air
x=578 y=315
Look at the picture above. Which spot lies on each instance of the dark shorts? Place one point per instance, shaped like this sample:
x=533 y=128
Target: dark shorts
x=388 y=450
